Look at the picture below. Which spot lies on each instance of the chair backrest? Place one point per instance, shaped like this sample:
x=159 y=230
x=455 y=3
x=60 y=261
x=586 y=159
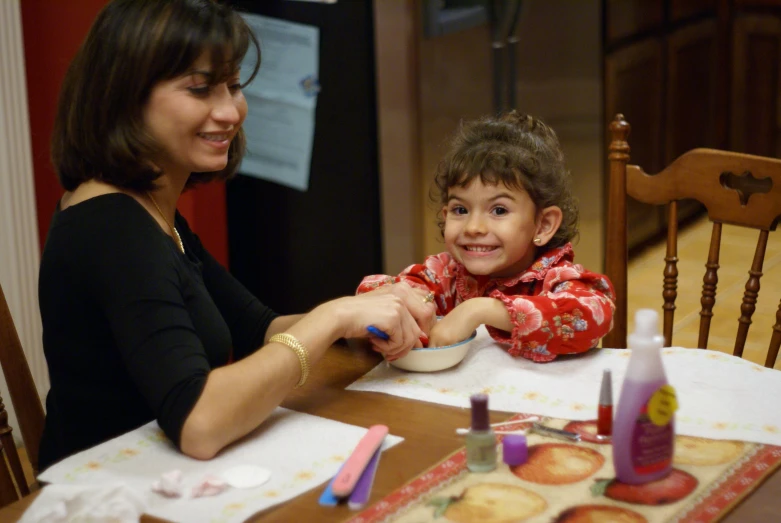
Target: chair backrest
x=27 y=406
x=737 y=189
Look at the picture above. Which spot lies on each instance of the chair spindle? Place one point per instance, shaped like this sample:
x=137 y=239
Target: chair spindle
x=775 y=341
x=749 y=304
x=709 y=283
x=670 y=292
x=8 y=491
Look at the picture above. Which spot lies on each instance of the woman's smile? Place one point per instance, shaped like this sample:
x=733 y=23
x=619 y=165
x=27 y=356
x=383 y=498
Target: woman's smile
x=217 y=140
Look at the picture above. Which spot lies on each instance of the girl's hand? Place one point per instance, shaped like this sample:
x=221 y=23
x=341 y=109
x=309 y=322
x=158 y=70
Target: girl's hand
x=457 y=326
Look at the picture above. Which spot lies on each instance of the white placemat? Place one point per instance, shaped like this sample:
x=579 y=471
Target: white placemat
x=302 y=451
x=720 y=396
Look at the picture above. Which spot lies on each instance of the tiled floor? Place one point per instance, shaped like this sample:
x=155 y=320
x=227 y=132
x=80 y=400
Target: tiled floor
x=736 y=256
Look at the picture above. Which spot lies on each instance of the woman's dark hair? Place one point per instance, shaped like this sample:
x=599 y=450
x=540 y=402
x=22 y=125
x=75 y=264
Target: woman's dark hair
x=519 y=151
x=99 y=130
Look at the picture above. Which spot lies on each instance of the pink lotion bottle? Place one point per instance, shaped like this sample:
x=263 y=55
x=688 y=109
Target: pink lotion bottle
x=644 y=430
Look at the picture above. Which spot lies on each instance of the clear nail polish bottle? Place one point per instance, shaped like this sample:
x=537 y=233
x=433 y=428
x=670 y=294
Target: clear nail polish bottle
x=480 y=441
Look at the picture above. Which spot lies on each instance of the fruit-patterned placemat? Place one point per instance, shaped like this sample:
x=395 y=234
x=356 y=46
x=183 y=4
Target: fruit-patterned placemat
x=575 y=482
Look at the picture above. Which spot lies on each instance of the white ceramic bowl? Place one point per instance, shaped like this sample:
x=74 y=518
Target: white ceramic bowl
x=430 y=359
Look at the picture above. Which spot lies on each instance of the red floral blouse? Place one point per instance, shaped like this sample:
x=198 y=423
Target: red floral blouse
x=556 y=306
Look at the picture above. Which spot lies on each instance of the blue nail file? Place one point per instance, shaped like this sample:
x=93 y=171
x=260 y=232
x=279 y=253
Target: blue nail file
x=363 y=489
x=327 y=498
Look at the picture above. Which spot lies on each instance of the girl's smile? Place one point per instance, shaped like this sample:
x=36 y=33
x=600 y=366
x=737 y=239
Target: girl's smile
x=479 y=249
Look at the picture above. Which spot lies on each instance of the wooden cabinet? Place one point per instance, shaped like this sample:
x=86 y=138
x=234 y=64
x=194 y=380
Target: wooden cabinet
x=687 y=74
x=755 y=107
x=694 y=85
x=627 y=18
x=684 y=9
x=633 y=86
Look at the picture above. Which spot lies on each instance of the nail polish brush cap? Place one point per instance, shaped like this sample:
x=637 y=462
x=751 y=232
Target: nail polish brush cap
x=480 y=412
x=515 y=449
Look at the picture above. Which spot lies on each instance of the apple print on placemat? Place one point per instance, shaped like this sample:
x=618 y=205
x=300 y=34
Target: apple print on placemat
x=489 y=503
x=559 y=464
x=671 y=488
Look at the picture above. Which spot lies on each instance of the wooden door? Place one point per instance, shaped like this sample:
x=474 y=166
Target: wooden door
x=296 y=249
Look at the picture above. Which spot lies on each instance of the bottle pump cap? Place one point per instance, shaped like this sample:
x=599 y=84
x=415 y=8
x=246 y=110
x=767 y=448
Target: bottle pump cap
x=646 y=333
x=646 y=322
x=479 y=412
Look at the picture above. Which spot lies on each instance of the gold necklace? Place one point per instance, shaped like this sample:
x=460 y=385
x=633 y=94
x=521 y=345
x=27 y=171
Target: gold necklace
x=170 y=226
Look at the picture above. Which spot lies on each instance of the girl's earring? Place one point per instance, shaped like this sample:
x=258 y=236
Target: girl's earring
x=537 y=241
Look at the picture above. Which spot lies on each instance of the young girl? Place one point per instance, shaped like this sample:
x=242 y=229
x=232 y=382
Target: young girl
x=508 y=216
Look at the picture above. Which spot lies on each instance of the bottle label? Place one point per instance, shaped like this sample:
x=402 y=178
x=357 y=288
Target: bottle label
x=662 y=405
x=652 y=437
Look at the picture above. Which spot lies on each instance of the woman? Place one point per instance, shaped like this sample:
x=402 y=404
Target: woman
x=139 y=321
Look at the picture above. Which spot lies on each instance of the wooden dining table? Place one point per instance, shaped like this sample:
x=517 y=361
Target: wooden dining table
x=429 y=436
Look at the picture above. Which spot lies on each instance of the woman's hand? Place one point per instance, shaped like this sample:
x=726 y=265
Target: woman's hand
x=424 y=311
x=457 y=326
x=386 y=312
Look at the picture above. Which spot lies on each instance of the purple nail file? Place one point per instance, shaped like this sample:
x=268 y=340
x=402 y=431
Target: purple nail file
x=363 y=489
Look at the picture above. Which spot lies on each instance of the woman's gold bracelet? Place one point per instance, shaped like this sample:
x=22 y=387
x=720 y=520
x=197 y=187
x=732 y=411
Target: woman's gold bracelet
x=297 y=347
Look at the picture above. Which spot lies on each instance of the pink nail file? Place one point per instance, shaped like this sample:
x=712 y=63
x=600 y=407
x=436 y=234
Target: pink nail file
x=351 y=471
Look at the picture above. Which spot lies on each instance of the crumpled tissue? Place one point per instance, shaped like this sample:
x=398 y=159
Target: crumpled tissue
x=67 y=503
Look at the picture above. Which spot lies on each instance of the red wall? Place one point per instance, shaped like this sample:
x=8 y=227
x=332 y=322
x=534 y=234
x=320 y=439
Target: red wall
x=53 y=31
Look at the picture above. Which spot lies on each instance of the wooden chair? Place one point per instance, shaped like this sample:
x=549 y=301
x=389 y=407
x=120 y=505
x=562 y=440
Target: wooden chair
x=737 y=189
x=27 y=407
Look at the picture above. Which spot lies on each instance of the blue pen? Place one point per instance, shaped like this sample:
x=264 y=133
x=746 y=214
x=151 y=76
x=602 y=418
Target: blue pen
x=380 y=334
x=377 y=332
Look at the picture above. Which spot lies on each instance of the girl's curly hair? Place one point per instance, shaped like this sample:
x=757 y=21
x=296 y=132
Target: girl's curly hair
x=518 y=150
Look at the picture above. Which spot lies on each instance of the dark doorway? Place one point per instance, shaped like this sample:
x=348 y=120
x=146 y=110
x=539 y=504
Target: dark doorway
x=296 y=249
